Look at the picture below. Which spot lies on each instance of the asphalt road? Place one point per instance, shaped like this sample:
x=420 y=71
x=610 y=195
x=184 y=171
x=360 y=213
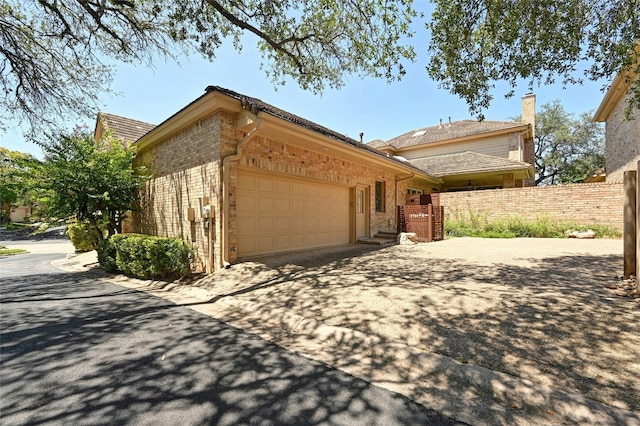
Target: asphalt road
x=76 y=349
x=37 y=260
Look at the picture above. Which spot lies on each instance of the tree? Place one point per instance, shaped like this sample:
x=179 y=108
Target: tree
x=567 y=149
x=17 y=177
x=476 y=43
x=54 y=53
x=93 y=182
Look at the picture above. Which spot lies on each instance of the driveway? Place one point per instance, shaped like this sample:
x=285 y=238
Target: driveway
x=519 y=331
x=76 y=349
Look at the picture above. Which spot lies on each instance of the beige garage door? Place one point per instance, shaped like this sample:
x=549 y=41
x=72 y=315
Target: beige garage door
x=278 y=213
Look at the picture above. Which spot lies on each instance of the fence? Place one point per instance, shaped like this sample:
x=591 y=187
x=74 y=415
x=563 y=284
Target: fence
x=427 y=222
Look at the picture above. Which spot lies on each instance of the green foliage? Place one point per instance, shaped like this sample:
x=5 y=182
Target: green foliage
x=83 y=235
x=542 y=227
x=475 y=44
x=567 y=149
x=106 y=251
x=145 y=256
x=18 y=181
x=53 y=51
x=8 y=252
x=93 y=182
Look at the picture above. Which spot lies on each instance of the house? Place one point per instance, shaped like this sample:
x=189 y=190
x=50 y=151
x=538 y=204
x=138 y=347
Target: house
x=238 y=178
x=622 y=136
x=122 y=128
x=471 y=154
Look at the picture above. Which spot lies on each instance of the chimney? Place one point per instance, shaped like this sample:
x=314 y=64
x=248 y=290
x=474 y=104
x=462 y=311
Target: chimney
x=529 y=112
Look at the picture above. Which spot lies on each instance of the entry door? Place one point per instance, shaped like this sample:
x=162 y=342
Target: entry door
x=362 y=212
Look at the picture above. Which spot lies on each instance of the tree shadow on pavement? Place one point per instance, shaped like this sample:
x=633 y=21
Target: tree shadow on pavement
x=550 y=321
x=76 y=349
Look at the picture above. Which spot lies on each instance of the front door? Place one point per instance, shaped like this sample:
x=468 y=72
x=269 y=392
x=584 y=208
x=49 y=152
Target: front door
x=362 y=212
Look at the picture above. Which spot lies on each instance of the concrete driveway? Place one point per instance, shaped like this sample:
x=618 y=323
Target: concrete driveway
x=519 y=331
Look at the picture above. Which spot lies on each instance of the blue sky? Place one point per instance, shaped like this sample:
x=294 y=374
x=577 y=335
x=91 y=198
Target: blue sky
x=372 y=106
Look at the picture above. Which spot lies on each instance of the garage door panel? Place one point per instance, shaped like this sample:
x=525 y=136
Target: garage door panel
x=264 y=184
x=283 y=186
x=246 y=203
x=277 y=213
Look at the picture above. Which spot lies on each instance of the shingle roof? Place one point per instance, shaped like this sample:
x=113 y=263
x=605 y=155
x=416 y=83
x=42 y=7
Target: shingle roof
x=124 y=128
x=466 y=162
x=255 y=105
x=453 y=130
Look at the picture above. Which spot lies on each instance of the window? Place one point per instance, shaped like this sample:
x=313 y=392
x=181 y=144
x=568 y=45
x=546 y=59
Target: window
x=380 y=197
x=414 y=191
x=360 y=201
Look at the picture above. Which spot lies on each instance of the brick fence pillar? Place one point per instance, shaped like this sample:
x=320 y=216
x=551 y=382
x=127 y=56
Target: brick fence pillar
x=630 y=223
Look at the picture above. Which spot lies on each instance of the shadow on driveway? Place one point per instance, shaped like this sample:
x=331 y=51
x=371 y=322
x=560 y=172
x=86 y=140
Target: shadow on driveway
x=78 y=350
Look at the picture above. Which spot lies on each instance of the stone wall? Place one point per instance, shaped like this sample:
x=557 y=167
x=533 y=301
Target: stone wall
x=587 y=204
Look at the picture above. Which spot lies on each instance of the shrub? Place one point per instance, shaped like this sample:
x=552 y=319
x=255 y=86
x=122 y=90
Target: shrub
x=107 y=255
x=145 y=256
x=543 y=227
x=83 y=236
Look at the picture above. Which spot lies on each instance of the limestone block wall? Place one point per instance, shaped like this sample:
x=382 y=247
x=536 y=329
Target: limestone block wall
x=596 y=203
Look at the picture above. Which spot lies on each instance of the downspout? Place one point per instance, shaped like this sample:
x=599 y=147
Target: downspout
x=225 y=197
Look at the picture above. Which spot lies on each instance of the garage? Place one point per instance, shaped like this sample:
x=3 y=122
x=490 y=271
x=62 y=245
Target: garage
x=278 y=213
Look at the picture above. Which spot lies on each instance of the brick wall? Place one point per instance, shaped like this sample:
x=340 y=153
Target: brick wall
x=623 y=142
x=596 y=203
x=185 y=171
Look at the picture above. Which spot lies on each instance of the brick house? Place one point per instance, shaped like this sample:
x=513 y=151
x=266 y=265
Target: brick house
x=622 y=137
x=125 y=129
x=238 y=177
x=469 y=154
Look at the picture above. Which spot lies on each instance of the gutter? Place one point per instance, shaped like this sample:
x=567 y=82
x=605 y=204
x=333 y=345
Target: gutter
x=225 y=197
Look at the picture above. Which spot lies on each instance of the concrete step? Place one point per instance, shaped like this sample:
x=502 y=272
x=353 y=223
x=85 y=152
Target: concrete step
x=377 y=241
x=386 y=235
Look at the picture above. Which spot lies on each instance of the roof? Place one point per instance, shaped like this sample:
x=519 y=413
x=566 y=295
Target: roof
x=467 y=162
x=452 y=130
x=124 y=128
x=256 y=105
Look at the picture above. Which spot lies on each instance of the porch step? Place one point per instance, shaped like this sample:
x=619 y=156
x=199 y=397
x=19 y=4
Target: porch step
x=386 y=235
x=382 y=238
x=377 y=241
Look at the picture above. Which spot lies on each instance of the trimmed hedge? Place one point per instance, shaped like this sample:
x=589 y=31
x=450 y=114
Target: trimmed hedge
x=146 y=256
x=83 y=235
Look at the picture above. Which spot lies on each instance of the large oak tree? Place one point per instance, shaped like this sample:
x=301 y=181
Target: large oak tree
x=55 y=54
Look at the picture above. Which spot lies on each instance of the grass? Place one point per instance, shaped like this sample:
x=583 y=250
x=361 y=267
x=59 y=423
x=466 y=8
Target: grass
x=8 y=252
x=511 y=228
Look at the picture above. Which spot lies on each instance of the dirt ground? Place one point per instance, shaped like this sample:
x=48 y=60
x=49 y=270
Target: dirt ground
x=535 y=309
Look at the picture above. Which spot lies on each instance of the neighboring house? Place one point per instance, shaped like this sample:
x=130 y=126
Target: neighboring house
x=238 y=177
x=122 y=128
x=19 y=213
x=622 y=136
x=469 y=154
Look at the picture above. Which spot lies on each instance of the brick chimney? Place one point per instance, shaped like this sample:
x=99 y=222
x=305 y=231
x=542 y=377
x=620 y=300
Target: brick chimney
x=529 y=112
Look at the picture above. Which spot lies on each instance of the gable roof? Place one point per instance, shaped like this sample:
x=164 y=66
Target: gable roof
x=448 y=131
x=123 y=128
x=256 y=105
x=468 y=162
